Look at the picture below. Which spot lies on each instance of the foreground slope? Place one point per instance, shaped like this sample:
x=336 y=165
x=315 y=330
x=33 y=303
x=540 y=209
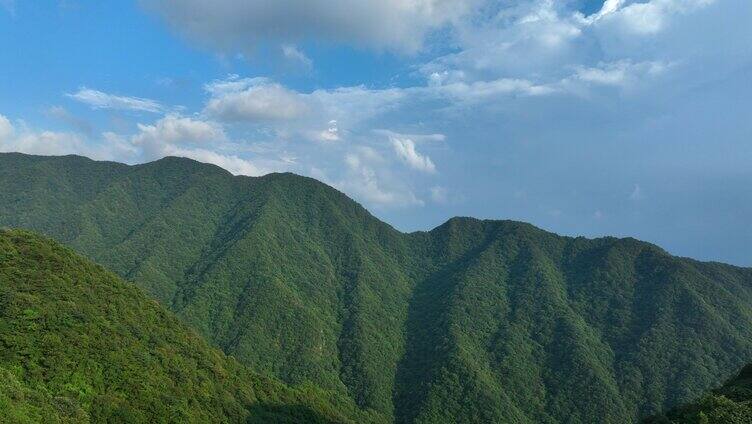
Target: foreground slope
x=474 y=321
x=79 y=345
x=730 y=404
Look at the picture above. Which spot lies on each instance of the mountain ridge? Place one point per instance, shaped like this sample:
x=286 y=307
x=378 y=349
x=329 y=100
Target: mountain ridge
x=298 y=281
x=271 y=175
x=287 y=174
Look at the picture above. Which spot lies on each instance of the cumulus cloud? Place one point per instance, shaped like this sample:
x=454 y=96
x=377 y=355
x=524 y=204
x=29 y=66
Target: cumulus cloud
x=232 y=163
x=100 y=100
x=324 y=115
x=28 y=141
x=366 y=179
x=6 y=128
x=43 y=142
x=46 y=143
x=331 y=133
x=405 y=150
x=163 y=137
x=609 y=6
x=241 y=24
x=201 y=140
x=253 y=100
x=519 y=38
x=329 y=114
x=177 y=129
x=645 y=18
x=171 y=135
x=529 y=46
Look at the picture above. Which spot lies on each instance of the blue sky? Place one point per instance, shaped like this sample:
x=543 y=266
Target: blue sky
x=626 y=118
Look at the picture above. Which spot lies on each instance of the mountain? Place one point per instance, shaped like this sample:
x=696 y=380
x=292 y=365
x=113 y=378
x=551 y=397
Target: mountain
x=474 y=321
x=730 y=404
x=78 y=344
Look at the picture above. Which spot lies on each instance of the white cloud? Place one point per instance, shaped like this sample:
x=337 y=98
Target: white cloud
x=519 y=38
x=367 y=180
x=479 y=90
x=650 y=17
x=321 y=115
x=405 y=150
x=27 y=141
x=232 y=163
x=201 y=140
x=350 y=106
x=329 y=114
x=527 y=47
x=160 y=138
x=99 y=100
x=47 y=143
x=294 y=54
x=331 y=133
x=415 y=137
x=619 y=73
x=253 y=100
x=241 y=24
x=6 y=128
x=609 y=6
x=176 y=129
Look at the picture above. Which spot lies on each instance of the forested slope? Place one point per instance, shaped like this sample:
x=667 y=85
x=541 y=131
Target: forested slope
x=474 y=321
x=729 y=404
x=78 y=345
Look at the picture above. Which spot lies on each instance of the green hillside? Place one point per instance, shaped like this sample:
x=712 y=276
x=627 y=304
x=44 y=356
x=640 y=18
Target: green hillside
x=475 y=321
x=730 y=404
x=77 y=345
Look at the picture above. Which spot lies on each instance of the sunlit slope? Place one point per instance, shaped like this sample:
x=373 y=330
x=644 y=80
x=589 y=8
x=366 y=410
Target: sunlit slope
x=77 y=344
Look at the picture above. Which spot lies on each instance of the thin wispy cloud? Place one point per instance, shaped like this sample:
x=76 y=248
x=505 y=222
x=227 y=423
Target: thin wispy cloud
x=295 y=55
x=101 y=100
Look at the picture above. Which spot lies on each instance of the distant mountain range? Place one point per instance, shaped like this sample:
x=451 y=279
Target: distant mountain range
x=472 y=322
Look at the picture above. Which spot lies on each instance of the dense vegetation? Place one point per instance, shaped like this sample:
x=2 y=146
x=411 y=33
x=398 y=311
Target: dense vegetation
x=730 y=404
x=79 y=345
x=475 y=321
